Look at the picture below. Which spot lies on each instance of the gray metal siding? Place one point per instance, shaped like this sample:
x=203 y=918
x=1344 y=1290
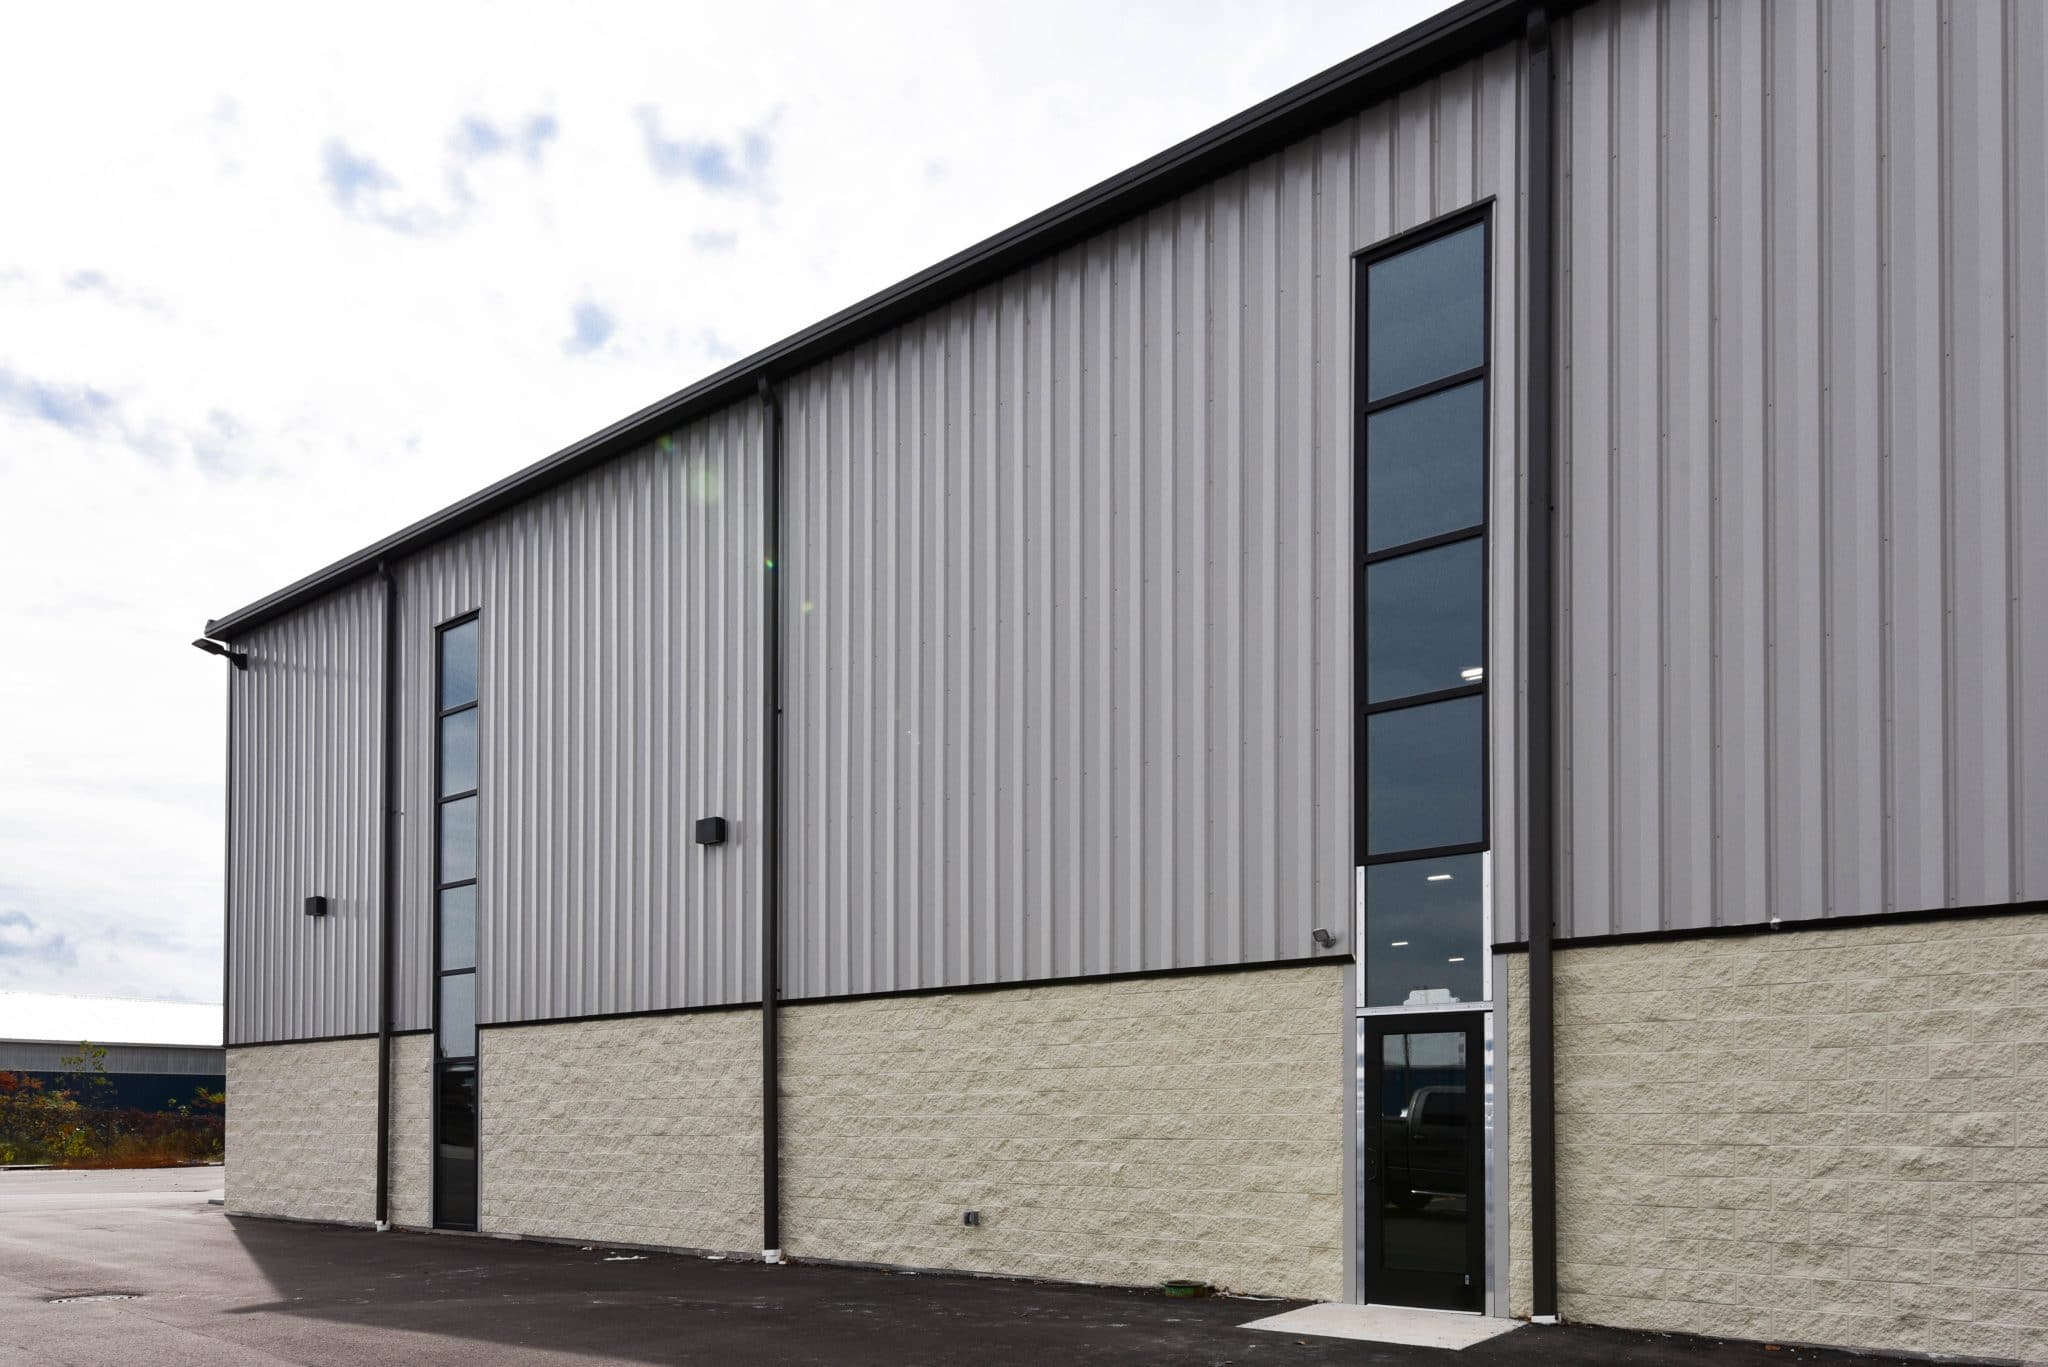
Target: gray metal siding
x=1069 y=603
x=1069 y=680
x=307 y=736
x=1804 y=312
x=621 y=700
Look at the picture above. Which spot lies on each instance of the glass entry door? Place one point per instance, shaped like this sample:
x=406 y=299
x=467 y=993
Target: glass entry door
x=1424 y=1189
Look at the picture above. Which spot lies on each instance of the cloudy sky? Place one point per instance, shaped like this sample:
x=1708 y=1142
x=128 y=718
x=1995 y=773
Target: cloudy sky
x=270 y=290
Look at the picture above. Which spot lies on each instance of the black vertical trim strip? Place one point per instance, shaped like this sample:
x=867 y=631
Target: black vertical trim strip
x=1540 y=683
x=771 y=822
x=387 y=894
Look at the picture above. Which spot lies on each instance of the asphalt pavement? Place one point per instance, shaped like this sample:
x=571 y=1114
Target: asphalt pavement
x=120 y=1269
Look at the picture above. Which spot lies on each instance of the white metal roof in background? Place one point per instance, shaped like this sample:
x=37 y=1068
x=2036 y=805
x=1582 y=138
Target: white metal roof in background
x=65 y=1019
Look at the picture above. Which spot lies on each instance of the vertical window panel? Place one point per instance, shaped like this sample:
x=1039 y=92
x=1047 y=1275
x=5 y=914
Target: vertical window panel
x=1425 y=621
x=458 y=752
x=458 y=1015
x=1425 y=467
x=1425 y=932
x=455 y=1145
x=1426 y=313
x=1425 y=777
x=458 y=840
x=458 y=665
x=458 y=928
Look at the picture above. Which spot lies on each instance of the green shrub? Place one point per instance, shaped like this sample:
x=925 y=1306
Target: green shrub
x=71 y=1125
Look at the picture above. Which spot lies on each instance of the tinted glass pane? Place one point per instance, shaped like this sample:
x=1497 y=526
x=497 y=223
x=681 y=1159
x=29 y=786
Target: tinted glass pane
x=455 y=1156
x=1425 y=1137
x=458 y=840
x=458 y=665
x=458 y=928
x=1424 y=928
x=1424 y=780
x=458 y=1016
x=1426 y=313
x=1423 y=628
x=1424 y=467
x=458 y=752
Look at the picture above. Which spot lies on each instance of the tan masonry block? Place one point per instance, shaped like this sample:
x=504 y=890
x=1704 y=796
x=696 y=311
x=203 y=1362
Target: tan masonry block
x=1859 y=1117
x=569 y=1107
x=1943 y=1164
x=302 y=1130
x=1853 y=1030
x=1080 y=1130
x=2000 y=1234
x=1804 y=1258
x=2015 y=952
x=412 y=1132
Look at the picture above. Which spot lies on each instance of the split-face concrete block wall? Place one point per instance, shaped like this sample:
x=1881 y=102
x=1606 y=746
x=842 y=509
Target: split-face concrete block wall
x=1121 y=1132
x=302 y=1130
x=1830 y=1136
x=643 y=1130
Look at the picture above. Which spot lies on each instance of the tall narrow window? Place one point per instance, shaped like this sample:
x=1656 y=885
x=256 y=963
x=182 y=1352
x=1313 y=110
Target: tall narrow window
x=456 y=781
x=1422 y=601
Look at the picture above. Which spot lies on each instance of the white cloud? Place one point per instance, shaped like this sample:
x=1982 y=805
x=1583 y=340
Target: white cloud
x=271 y=287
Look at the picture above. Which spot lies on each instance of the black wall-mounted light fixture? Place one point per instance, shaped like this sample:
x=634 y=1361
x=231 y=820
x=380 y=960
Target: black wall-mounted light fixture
x=238 y=658
x=316 y=906
x=710 y=830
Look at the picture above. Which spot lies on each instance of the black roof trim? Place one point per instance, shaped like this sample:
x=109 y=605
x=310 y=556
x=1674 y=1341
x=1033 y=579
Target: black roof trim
x=1376 y=74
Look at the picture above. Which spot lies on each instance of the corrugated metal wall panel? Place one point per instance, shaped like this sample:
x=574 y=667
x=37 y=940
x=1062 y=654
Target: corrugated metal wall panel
x=307 y=737
x=1069 y=684
x=1069 y=615
x=621 y=700
x=1803 y=358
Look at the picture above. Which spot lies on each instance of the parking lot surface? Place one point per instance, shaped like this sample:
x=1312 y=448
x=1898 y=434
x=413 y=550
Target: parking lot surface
x=115 y=1269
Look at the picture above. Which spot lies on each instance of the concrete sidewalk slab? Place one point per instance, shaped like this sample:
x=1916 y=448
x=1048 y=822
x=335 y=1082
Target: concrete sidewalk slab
x=1393 y=1324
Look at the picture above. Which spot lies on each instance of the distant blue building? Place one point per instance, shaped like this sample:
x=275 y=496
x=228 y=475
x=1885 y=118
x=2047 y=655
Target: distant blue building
x=159 y=1054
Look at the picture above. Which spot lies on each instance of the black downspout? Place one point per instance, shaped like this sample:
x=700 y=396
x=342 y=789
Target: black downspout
x=387 y=904
x=1542 y=511
x=227 y=885
x=771 y=827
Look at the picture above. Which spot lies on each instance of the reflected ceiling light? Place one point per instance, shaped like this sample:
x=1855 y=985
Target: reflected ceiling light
x=1399 y=943
x=1457 y=958
x=1438 y=878
x=1474 y=674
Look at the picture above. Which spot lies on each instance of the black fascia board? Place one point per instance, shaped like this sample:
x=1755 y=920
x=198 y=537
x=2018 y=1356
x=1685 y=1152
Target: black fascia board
x=1379 y=73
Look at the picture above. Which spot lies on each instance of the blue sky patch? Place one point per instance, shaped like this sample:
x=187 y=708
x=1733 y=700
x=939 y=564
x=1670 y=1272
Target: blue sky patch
x=593 y=328
x=74 y=407
x=739 y=166
x=350 y=178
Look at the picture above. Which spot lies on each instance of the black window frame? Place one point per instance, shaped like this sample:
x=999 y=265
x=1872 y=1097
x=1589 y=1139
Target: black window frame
x=1480 y=216
x=470 y=1061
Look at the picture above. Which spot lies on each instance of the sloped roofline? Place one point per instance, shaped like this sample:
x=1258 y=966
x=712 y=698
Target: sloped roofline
x=1379 y=73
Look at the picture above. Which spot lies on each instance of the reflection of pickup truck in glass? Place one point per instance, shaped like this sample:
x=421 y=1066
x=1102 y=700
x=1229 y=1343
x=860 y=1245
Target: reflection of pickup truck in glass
x=1423 y=1149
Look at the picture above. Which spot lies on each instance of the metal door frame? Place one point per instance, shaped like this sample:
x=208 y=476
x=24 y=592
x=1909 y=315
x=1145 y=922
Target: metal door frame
x=1477 y=1027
